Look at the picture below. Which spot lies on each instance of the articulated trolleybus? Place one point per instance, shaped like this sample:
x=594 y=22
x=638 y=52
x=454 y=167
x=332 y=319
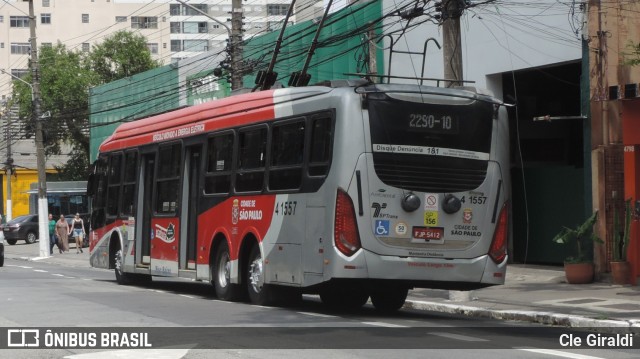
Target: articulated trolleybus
x=351 y=191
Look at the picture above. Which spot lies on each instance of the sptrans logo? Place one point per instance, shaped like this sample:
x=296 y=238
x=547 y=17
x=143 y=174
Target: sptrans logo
x=235 y=211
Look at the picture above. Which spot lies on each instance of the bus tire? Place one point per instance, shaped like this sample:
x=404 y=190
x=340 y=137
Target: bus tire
x=221 y=274
x=389 y=300
x=121 y=277
x=259 y=292
x=344 y=297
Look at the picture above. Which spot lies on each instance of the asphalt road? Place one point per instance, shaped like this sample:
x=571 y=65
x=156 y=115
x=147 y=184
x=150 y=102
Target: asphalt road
x=187 y=317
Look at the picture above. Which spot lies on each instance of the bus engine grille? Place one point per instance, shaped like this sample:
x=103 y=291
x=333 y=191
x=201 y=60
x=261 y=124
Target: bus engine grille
x=417 y=173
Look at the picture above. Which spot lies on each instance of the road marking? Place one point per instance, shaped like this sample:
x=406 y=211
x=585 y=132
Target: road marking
x=262 y=306
x=40 y=271
x=57 y=275
x=133 y=354
x=318 y=315
x=386 y=325
x=560 y=354
x=25 y=267
x=186 y=296
x=71 y=277
x=459 y=337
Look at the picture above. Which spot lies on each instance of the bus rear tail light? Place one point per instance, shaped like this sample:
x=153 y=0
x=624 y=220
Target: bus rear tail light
x=498 y=250
x=346 y=236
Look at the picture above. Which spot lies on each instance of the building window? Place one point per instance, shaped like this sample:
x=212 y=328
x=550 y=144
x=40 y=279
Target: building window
x=19 y=72
x=277 y=9
x=1 y=18
x=144 y=22
x=195 y=45
x=121 y=19
x=176 y=45
x=194 y=27
x=45 y=18
x=164 y=45
x=45 y=3
x=179 y=10
x=86 y=47
x=1 y=45
x=85 y=18
x=174 y=27
x=18 y=21
x=20 y=48
x=153 y=48
x=174 y=9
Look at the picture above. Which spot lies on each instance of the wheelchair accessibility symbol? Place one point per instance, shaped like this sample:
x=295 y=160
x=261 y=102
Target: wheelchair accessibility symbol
x=382 y=227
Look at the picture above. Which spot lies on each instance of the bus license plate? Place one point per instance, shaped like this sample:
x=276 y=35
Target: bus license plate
x=428 y=233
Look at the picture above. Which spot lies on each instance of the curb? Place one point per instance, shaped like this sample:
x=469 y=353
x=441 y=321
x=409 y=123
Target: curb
x=546 y=318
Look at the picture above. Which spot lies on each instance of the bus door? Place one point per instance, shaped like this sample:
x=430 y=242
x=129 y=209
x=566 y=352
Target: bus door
x=145 y=209
x=165 y=221
x=189 y=214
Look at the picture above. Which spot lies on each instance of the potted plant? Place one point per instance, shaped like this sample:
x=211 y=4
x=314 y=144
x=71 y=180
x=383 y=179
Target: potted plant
x=578 y=268
x=619 y=265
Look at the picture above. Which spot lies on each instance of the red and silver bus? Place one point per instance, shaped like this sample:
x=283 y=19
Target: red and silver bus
x=351 y=191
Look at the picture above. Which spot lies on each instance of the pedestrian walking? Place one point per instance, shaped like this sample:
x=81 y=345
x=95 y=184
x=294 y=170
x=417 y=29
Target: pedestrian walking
x=77 y=227
x=52 y=233
x=62 y=230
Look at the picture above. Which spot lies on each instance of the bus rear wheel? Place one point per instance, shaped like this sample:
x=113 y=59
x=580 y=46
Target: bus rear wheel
x=221 y=275
x=259 y=292
x=389 y=300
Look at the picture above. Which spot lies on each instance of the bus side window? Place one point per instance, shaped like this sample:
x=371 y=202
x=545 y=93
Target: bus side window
x=219 y=161
x=320 y=156
x=252 y=153
x=113 y=187
x=168 y=178
x=129 y=183
x=287 y=150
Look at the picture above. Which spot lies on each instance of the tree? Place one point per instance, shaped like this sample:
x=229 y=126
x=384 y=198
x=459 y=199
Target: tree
x=65 y=79
x=121 y=55
x=635 y=54
x=64 y=83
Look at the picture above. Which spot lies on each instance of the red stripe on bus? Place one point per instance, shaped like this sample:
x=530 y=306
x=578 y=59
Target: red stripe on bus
x=228 y=112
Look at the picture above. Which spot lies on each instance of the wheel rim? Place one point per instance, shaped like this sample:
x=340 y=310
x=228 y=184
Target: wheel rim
x=31 y=238
x=224 y=271
x=256 y=278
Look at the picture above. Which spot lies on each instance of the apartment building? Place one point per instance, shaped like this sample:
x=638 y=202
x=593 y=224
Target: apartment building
x=174 y=31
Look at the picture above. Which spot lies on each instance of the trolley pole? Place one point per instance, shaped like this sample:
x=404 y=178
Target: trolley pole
x=452 y=43
x=43 y=210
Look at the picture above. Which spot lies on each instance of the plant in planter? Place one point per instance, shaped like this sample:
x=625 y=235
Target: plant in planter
x=619 y=265
x=578 y=268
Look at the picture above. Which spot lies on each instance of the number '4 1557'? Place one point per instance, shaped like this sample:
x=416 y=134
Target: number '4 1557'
x=286 y=208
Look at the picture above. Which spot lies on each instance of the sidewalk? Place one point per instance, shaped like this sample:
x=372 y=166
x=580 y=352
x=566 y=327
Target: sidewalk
x=531 y=293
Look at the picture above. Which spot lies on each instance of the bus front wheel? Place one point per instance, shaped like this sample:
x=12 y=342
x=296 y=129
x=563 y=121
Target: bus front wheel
x=221 y=275
x=390 y=299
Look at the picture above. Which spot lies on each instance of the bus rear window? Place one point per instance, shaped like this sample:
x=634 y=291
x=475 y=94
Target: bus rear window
x=460 y=127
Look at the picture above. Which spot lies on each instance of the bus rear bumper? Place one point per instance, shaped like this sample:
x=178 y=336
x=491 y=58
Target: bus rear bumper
x=459 y=274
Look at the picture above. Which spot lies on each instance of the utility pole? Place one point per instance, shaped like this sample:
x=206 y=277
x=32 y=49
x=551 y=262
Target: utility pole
x=237 y=13
x=235 y=39
x=9 y=170
x=43 y=210
x=452 y=43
